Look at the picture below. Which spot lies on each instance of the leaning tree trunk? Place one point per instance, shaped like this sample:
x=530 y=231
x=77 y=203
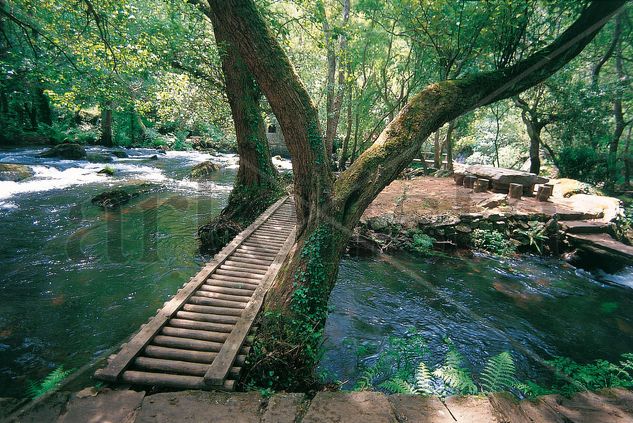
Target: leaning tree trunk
x=287 y=347
x=256 y=185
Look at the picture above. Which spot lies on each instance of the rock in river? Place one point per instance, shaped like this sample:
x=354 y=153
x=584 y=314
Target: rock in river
x=119 y=196
x=204 y=170
x=66 y=151
x=14 y=172
x=119 y=154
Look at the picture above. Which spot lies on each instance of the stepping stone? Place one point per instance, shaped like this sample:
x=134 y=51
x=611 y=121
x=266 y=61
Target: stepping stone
x=352 y=407
x=509 y=409
x=585 y=226
x=471 y=409
x=106 y=406
x=283 y=408
x=415 y=408
x=589 y=407
x=46 y=410
x=200 y=406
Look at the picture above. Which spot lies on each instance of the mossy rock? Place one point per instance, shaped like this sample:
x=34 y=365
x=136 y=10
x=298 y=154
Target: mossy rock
x=14 y=172
x=119 y=154
x=66 y=151
x=204 y=170
x=108 y=171
x=117 y=197
x=99 y=158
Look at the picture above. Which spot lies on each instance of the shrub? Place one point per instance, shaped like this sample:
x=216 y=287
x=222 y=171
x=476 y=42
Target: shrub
x=493 y=242
x=583 y=163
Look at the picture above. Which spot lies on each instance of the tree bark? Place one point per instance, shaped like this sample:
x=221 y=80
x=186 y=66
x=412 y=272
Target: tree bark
x=327 y=210
x=106 y=125
x=437 y=151
x=449 y=146
x=256 y=184
x=618 y=114
x=342 y=160
x=43 y=107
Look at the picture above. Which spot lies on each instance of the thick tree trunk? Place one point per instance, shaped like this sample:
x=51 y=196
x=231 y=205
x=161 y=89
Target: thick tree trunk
x=43 y=107
x=628 y=160
x=534 y=133
x=256 y=184
x=106 y=125
x=290 y=332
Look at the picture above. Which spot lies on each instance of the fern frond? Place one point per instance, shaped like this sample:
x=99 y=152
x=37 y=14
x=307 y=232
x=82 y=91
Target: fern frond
x=456 y=378
x=499 y=373
x=397 y=386
x=50 y=382
x=423 y=379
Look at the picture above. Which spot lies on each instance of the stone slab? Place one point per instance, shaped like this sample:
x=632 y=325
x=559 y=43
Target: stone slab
x=106 y=407
x=283 y=408
x=7 y=406
x=414 y=408
x=199 y=406
x=46 y=410
x=349 y=407
x=471 y=409
x=508 y=409
x=589 y=407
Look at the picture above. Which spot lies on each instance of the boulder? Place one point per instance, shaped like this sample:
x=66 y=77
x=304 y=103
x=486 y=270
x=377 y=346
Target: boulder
x=154 y=157
x=565 y=188
x=99 y=158
x=119 y=154
x=117 y=197
x=14 y=172
x=204 y=170
x=66 y=151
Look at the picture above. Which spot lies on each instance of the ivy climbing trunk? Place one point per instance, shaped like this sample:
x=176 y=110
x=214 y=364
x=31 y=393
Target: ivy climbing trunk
x=256 y=184
x=327 y=209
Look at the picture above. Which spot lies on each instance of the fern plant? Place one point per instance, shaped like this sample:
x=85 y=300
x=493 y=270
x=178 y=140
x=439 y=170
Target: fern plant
x=453 y=374
x=535 y=235
x=498 y=373
x=54 y=378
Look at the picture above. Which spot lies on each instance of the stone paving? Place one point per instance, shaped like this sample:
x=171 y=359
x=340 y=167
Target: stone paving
x=127 y=406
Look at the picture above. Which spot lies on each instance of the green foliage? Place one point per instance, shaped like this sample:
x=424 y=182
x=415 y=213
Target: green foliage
x=50 y=382
x=599 y=374
x=492 y=241
x=499 y=373
x=421 y=243
x=584 y=163
x=453 y=373
x=535 y=235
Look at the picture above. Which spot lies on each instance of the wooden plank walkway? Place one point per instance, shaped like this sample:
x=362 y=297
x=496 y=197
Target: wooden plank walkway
x=199 y=339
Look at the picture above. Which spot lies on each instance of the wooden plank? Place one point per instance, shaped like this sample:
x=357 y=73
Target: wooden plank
x=132 y=348
x=203 y=335
x=242 y=274
x=172 y=381
x=219 y=311
x=186 y=344
x=219 y=369
x=201 y=300
x=244 y=268
x=249 y=260
x=189 y=356
x=174 y=366
x=254 y=258
x=221 y=282
x=219 y=296
x=245 y=265
x=223 y=290
x=202 y=317
x=193 y=324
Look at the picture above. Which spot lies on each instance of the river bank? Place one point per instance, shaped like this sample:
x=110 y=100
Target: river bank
x=447 y=216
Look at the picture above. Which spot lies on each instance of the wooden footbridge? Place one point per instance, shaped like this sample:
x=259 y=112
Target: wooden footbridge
x=200 y=338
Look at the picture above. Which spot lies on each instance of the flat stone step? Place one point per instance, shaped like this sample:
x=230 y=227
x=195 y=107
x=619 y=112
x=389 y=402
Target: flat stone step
x=604 y=242
x=585 y=226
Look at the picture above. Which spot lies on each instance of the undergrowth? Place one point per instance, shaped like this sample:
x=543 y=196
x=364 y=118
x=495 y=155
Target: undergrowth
x=493 y=241
x=402 y=367
x=50 y=382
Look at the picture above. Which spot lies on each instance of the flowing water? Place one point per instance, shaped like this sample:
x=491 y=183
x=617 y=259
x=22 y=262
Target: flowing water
x=536 y=308
x=76 y=280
